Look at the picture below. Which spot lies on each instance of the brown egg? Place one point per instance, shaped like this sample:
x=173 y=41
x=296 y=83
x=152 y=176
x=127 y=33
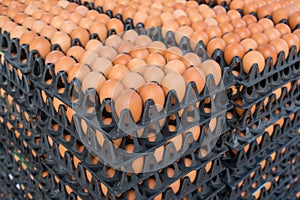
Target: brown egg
x=191 y=59
x=249 y=19
x=79 y=71
x=157 y=47
x=183 y=31
x=233 y=14
x=38 y=26
x=38 y=14
x=99 y=29
x=153 y=74
x=199 y=25
x=110 y=89
x=128 y=12
x=19 y=18
x=291 y=39
x=131 y=195
x=28 y=22
x=75 y=17
x=234 y=5
x=82 y=10
x=143 y=41
x=236 y=23
x=294 y=20
x=279 y=14
x=102 y=18
x=183 y=21
x=47 y=17
x=264 y=11
x=76 y=52
x=255 y=28
x=64 y=63
x=266 y=23
x=206 y=12
x=222 y=18
x=139 y=52
x=213 y=31
x=173 y=53
x=82 y=34
x=130 y=35
x=213 y=68
x=89 y=57
x=129 y=99
x=151 y=183
x=153 y=21
x=115 y=24
x=128 y=82
x=137 y=65
x=243 y=32
x=55 y=10
x=27 y=37
x=62 y=39
x=123 y=59
x=108 y=52
x=93 y=44
x=233 y=49
x=283 y=28
x=174 y=66
x=198 y=36
x=179 y=85
x=231 y=38
x=226 y=27
x=280 y=45
x=297 y=33
x=40 y=44
x=154 y=92
x=250 y=7
x=85 y=23
x=139 y=17
x=17 y=32
x=272 y=33
x=197 y=75
x=71 y=7
x=156 y=59
x=219 y=10
x=248 y=43
x=125 y=47
x=53 y=56
x=68 y=26
x=260 y=38
x=48 y=32
x=9 y=26
x=251 y=58
x=92 y=14
x=65 y=14
x=57 y=22
x=216 y=43
x=93 y=80
x=102 y=64
x=118 y=72
x=113 y=41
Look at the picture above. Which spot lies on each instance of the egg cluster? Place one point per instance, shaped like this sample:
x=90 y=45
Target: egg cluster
x=250 y=52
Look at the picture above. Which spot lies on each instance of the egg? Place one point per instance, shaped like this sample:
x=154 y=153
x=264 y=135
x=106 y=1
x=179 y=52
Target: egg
x=137 y=65
x=173 y=53
x=213 y=68
x=154 y=92
x=153 y=74
x=249 y=19
x=213 y=31
x=79 y=71
x=231 y=38
x=294 y=20
x=89 y=57
x=99 y=29
x=272 y=33
x=80 y=33
x=151 y=183
x=179 y=85
x=68 y=26
x=183 y=31
x=260 y=38
x=232 y=50
x=76 y=52
x=280 y=45
x=64 y=63
x=226 y=27
x=139 y=17
x=122 y=59
x=279 y=14
x=243 y=32
x=48 y=32
x=113 y=41
x=115 y=24
x=157 y=47
x=82 y=10
x=93 y=45
x=233 y=14
x=198 y=36
x=251 y=58
x=125 y=47
x=27 y=37
x=17 y=32
x=255 y=28
x=174 y=66
x=266 y=23
x=152 y=21
x=198 y=25
x=191 y=59
x=62 y=39
x=57 y=22
x=130 y=35
x=236 y=23
x=214 y=44
x=53 y=56
x=118 y=71
x=248 y=43
x=196 y=75
x=143 y=41
x=110 y=89
x=264 y=11
x=291 y=39
x=133 y=80
x=129 y=99
x=9 y=26
x=93 y=80
x=40 y=44
x=102 y=18
x=283 y=28
x=108 y=52
x=156 y=59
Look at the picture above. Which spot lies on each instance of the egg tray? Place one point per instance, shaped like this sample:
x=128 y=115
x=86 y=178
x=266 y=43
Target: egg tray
x=37 y=143
x=265 y=115
x=38 y=161
x=41 y=184
x=212 y=3
x=254 y=152
x=256 y=174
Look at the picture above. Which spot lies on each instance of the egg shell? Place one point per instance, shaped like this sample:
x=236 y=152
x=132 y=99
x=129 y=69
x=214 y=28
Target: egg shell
x=214 y=44
x=179 y=85
x=197 y=76
x=266 y=23
x=118 y=72
x=156 y=59
x=100 y=29
x=248 y=43
x=57 y=22
x=264 y=11
x=233 y=14
x=283 y=28
x=143 y=41
x=108 y=52
x=115 y=24
x=260 y=38
x=139 y=17
x=68 y=26
x=130 y=35
x=102 y=64
x=110 y=89
x=93 y=45
x=173 y=53
x=191 y=59
x=122 y=59
x=153 y=73
x=280 y=45
x=93 y=80
x=294 y=20
x=64 y=63
x=171 y=25
x=80 y=33
x=279 y=14
x=199 y=25
x=53 y=56
x=79 y=71
x=128 y=82
x=251 y=58
x=102 y=18
x=62 y=39
x=198 y=36
x=76 y=52
x=151 y=183
x=17 y=32
x=213 y=31
x=157 y=47
x=243 y=32
x=226 y=28
x=183 y=31
x=125 y=47
x=213 y=68
x=154 y=92
x=40 y=44
x=232 y=50
x=48 y=32
x=231 y=38
x=272 y=33
x=292 y=39
x=248 y=18
x=255 y=28
x=129 y=99
x=9 y=26
x=174 y=66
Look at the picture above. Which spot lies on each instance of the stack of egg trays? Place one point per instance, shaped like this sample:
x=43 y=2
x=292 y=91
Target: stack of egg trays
x=246 y=181
x=76 y=177
x=266 y=113
x=34 y=66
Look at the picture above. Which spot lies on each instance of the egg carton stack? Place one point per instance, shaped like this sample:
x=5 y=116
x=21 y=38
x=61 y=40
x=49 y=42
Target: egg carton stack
x=65 y=145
